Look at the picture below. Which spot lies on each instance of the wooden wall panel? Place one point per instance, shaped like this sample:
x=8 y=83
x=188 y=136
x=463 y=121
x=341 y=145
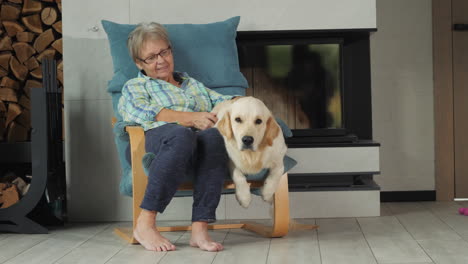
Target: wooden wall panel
x=443 y=99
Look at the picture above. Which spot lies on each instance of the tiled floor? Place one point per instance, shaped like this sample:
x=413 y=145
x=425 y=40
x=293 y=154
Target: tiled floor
x=426 y=232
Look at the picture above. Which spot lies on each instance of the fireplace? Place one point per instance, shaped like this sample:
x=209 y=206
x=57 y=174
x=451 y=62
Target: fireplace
x=318 y=82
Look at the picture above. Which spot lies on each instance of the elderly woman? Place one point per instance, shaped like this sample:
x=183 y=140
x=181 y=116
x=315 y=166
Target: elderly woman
x=174 y=110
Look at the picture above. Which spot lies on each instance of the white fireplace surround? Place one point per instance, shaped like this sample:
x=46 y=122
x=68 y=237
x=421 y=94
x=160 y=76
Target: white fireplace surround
x=91 y=157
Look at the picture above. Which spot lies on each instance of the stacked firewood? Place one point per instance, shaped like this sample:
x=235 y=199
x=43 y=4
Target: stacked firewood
x=30 y=31
x=12 y=189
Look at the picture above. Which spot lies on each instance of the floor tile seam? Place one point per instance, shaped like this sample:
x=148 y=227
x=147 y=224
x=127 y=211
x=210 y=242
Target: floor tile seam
x=51 y=237
x=430 y=211
x=224 y=239
x=19 y=253
x=318 y=240
x=367 y=242
x=268 y=252
x=422 y=248
x=165 y=254
x=82 y=243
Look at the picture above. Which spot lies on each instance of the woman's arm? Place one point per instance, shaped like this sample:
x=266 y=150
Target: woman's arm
x=135 y=103
x=199 y=120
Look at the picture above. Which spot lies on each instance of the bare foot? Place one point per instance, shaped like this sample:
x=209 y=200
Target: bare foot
x=149 y=237
x=201 y=239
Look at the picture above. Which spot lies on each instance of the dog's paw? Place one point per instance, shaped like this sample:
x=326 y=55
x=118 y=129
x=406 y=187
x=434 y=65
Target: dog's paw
x=244 y=199
x=268 y=197
x=267 y=193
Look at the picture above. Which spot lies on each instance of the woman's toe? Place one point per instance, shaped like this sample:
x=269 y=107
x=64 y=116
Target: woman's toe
x=220 y=247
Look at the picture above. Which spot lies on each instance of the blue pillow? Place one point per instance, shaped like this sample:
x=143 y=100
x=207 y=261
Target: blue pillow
x=214 y=44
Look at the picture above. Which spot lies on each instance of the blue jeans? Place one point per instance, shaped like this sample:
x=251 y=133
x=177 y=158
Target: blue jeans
x=183 y=154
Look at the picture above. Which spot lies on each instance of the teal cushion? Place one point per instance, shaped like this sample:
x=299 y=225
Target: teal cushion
x=122 y=141
x=213 y=44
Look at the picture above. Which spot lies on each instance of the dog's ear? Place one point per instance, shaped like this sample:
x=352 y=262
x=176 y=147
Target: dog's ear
x=271 y=132
x=224 y=126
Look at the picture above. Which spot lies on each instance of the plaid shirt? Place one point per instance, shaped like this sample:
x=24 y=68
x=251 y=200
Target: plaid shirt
x=144 y=97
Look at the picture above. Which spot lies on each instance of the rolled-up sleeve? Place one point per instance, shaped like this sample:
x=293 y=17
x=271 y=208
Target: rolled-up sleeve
x=135 y=104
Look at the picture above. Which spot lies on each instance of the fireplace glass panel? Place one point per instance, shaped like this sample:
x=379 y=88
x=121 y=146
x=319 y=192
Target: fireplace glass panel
x=300 y=83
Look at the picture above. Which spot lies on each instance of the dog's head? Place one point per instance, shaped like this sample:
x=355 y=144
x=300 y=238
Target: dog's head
x=249 y=122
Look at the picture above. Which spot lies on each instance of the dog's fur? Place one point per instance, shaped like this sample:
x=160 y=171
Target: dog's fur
x=249 y=117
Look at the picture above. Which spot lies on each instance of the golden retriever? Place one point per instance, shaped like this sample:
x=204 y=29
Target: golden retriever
x=254 y=141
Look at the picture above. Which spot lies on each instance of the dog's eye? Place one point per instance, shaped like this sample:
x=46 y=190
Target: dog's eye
x=258 y=121
x=238 y=120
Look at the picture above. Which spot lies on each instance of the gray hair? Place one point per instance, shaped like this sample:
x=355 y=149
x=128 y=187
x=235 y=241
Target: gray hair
x=143 y=32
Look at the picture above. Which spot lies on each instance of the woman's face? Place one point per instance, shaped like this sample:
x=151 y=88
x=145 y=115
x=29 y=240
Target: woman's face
x=160 y=63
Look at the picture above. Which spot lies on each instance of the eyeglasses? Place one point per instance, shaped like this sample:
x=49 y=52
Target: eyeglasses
x=153 y=58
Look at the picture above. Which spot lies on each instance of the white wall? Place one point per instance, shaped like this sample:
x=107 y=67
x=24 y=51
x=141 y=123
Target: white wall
x=92 y=165
x=402 y=94
x=255 y=15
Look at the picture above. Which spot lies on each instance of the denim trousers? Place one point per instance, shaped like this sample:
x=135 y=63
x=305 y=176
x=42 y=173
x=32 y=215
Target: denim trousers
x=181 y=154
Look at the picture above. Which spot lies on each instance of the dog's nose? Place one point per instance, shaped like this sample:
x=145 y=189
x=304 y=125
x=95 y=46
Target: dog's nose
x=247 y=140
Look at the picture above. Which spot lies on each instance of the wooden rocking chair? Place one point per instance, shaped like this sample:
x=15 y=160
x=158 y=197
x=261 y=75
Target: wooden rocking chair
x=281 y=219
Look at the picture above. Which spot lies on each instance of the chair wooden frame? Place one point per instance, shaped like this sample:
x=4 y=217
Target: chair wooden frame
x=281 y=219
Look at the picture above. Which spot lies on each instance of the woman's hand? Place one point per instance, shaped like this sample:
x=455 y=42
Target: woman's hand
x=199 y=120
x=203 y=120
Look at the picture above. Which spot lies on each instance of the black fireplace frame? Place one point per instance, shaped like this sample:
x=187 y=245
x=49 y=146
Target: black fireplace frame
x=355 y=83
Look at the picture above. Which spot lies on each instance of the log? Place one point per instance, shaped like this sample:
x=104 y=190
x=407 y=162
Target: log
x=5 y=60
x=3 y=72
x=2 y=109
x=12 y=27
x=58 y=45
x=58 y=27
x=21 y=185
x=24 y=119
x=19 y=70
x=33 y=23
x=25 y=102
x=60 y=72
x=8 y=95
x=29 y=85
x=10 y=196
x=7 y=82
x=14 y=110
x=9 y=12
x=44 y=40
x=25 y=36
x=59 y=5
x=31 y=64
x=48 y=54
x=49 y=15
x=23 y=51
x=36 y=73
x=31 y=6
x=17 y=133
x=16 y=1
x=5 y=43
x=2 y=129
